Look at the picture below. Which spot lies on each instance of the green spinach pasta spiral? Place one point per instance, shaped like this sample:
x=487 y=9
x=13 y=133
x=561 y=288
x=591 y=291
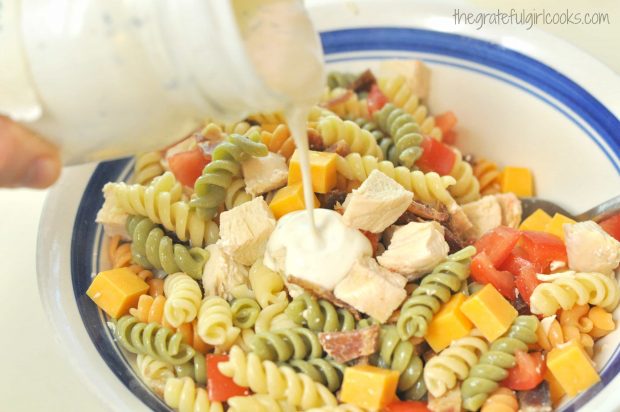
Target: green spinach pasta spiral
x=435 y=288
x=340 y=79
x=285 y=344
x=196 y=369
x=373 y=128
x=152 y=339
x=327 y=372
x=400 y=355
x=218 y=175
x=493 y=365
x=319 y=314
x=279 y=382
x=151 y=248
x=245 y=311
x=404 y=146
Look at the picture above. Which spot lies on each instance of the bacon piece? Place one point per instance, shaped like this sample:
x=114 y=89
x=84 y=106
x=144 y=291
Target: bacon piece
x=322 y=293
x=331 y=198
x=315 y=141
x=440 y=214
x=349 y=345
x=363 y=82
x=340 y=147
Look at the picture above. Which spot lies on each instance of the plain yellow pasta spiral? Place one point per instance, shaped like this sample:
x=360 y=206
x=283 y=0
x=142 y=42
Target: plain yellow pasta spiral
x=467 y=188
x=567 y=289
x=427 y=187
x=279 y=382
x=161 y=201
x=398 y=92
x=488 y=175
x=442 y=372
x=154 y=372
x=147 y=167
x=267 y=285
x=351 y=108
x=332 y=129
x=183 y=299
x=215 y=323
x=182 y=393
x=501 y=400
x=258 y=403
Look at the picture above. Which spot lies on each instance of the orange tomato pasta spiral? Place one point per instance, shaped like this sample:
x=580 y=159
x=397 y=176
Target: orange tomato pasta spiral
x=488 y=175
x=502 y=400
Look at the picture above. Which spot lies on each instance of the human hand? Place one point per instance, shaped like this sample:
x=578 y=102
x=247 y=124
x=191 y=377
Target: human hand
x=26 y=159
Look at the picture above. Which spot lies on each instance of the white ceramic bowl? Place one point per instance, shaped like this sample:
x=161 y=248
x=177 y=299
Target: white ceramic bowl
x=522 y=98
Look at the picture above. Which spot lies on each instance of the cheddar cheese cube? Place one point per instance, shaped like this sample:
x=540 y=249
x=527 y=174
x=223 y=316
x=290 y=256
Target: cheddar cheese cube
x=289 y=199
x=369 y=387
x=556 y=225
x=572 y=368
x=489 y=312
x=517 y=180
x=537 y=221
x=322 y=170
x=556 y=392
x=448 y=324
x=117 y=290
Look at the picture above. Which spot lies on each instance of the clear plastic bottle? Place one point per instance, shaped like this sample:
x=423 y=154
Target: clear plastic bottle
x=104 y=79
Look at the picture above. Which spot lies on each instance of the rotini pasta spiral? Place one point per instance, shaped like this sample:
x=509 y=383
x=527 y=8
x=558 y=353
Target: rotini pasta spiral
x=343 y=407
x=492 y=365
x=400 y=355
x=161 y=202
x=273 y=317
x=215 y=322
x=285 y=344
x=372 y=127
x=154 y=372
x=435 y=288
x=402 y=145
x=195 y=369
x=556 y=333
x=332 y=129
x=501 y=400
x=151 y=248
x=279 y=382
x=267 y=285
x=183 y=296
x=258 y=403
x=466 y=189
x=182 y=393
x=150 y=310
x=236 y=194
x=319 y=314
x=279 y=141
x=152 y=339
x=340 y=79
x=327 y=372
x=245 y=311
x=147 y=167
x=442 y=372
x=243 y=128
x=351 y=108
x=400 y=94
x=429 y=188
x=488 y=175
x=566 y=289
x=120 y=257
x=217 y=176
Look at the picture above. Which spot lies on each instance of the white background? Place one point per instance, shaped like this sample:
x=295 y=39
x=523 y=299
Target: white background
x=35 y=374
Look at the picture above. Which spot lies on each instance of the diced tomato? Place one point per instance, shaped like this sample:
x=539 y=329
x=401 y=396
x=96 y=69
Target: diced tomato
x=376 y=99
x=498 y=244
x=220 y=387
x=187 y=166
x=483 y=271
x=528 y=373
x=373 y=238
x=437 y=157
x=450 y=137
x=543 y=248
x=446 y=121
x=407 y=406
x=526 y=281
x=611 y=225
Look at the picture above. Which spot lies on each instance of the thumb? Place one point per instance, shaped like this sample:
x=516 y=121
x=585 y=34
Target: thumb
x=26 y=159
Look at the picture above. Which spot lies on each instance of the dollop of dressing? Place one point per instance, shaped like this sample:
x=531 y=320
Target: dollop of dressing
x=323 y=258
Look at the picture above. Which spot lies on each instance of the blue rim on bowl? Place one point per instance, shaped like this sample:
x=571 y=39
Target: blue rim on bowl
x=502 y=63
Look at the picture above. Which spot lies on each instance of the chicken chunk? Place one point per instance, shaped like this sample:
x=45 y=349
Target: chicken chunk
x=415 y=249
x=376 y=204
x=415 y=72
x=263 y=174
x=511 y=209
x=372 y=289
x=222 y=274
x=111 y=216
x=590 y=248
x=245 y=229
x=484 y=214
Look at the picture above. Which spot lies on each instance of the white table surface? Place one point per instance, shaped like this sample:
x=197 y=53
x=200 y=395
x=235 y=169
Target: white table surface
x=35 y=373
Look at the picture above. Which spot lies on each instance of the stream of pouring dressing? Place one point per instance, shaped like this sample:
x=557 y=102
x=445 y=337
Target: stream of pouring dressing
x=314 y=245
